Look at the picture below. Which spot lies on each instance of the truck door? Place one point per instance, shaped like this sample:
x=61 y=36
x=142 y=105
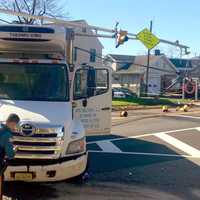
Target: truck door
x=93 y=105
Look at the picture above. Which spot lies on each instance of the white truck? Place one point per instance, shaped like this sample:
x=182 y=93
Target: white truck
x=56 y=111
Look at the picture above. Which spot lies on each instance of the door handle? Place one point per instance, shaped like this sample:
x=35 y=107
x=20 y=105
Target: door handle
x=106 y=108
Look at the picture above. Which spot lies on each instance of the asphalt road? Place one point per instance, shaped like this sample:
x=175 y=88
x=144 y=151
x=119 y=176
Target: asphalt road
x=151 y=158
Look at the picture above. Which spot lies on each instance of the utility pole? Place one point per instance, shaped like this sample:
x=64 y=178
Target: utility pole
x=183 y=89
x=148 y=62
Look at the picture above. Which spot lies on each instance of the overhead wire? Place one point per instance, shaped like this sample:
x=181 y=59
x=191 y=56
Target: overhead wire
x=124 y=61
x=106 y=59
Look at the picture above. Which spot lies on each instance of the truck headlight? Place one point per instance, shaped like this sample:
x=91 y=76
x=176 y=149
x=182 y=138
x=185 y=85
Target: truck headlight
x=77 y=146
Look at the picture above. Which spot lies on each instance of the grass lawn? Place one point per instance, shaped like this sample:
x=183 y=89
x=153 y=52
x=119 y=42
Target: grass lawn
x=148 y=101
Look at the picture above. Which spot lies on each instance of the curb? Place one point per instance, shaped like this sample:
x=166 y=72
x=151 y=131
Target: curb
x=137 y=119
x=121 y=108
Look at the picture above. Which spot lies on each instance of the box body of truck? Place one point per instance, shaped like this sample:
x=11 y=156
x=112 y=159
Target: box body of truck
x=56 y=113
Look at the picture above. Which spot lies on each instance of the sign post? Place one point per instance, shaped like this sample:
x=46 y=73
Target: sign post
x=196 y=90
x=148 y=62
x=183 y=89
x=150 y=41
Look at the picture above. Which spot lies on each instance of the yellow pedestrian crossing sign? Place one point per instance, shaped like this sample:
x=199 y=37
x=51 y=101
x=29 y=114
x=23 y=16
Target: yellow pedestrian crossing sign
x=147 y=38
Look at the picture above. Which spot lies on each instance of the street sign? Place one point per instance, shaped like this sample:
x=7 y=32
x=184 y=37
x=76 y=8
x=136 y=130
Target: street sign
x=147 y=38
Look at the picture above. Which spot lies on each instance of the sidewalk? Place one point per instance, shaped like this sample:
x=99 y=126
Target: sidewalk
x=134 y=115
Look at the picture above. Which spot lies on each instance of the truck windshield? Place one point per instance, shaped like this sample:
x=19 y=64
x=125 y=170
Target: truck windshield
x=35 y=82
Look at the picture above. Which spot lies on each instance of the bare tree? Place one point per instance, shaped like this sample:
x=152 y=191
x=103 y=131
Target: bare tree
x=35 y=7
x=170 y=51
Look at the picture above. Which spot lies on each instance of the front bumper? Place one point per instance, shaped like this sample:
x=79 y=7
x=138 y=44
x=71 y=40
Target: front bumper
x=63 y=169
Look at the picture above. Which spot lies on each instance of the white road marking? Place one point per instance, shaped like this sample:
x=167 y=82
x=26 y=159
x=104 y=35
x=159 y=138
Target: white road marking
x=108 y=146
x=186 y=116
x=145 y=135
x=147 y=154
x=179 y=144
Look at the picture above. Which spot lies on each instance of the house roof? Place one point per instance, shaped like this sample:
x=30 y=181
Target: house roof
x=180 y=63
x=122 y=58
x=136 y=65
x=128 y=64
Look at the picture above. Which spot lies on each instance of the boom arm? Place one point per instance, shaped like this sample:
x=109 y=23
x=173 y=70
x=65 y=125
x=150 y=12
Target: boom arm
x=96 y=29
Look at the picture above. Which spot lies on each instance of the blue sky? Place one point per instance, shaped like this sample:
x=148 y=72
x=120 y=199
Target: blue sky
x=172 y=20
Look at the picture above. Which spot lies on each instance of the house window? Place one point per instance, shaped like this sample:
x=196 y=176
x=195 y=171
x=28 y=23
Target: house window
x=92 y=55
x=75 y=54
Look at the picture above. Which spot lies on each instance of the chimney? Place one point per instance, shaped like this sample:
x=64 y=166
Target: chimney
x=157 y=52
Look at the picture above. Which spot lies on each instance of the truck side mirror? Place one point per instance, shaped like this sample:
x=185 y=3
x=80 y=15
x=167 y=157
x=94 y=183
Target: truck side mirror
x=91 y=82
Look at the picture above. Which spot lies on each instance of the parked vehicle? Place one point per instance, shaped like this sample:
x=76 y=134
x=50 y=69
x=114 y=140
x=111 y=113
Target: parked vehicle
x=128 y=92
x=123 y=93
x=55 y=117
x=118 y=94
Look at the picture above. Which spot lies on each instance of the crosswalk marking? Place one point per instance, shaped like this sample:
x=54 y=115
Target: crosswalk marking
x=147 y=154
x=108 y=146
x=145 y=135
x=178 y=144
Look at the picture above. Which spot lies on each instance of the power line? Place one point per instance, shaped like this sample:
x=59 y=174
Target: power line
x=133 y=63
x=122 y=62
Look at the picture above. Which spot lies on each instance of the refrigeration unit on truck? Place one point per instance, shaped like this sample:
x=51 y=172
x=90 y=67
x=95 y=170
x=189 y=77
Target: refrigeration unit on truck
x=56 y=111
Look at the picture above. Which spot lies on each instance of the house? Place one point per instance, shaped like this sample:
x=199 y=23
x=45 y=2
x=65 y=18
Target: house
x=181 y=64
x=130 y=71
x=195 y=72
x=88 y=47
x=190 y=67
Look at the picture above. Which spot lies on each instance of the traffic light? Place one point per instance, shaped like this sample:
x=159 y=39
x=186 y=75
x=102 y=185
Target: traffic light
x=121 y=38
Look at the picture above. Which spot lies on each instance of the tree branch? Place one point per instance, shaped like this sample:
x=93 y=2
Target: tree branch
x=5 y=21
x=52 y=8
x=19 y=10
x=27 y=6
x=42 y=12
x=34 y=6
x=14 y=8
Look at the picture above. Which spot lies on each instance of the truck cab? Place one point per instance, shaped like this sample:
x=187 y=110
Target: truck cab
x=56 y=111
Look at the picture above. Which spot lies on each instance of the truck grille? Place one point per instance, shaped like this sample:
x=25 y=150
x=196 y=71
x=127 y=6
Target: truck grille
x=43 y=143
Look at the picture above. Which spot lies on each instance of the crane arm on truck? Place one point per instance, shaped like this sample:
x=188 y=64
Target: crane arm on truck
x=96 y=29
